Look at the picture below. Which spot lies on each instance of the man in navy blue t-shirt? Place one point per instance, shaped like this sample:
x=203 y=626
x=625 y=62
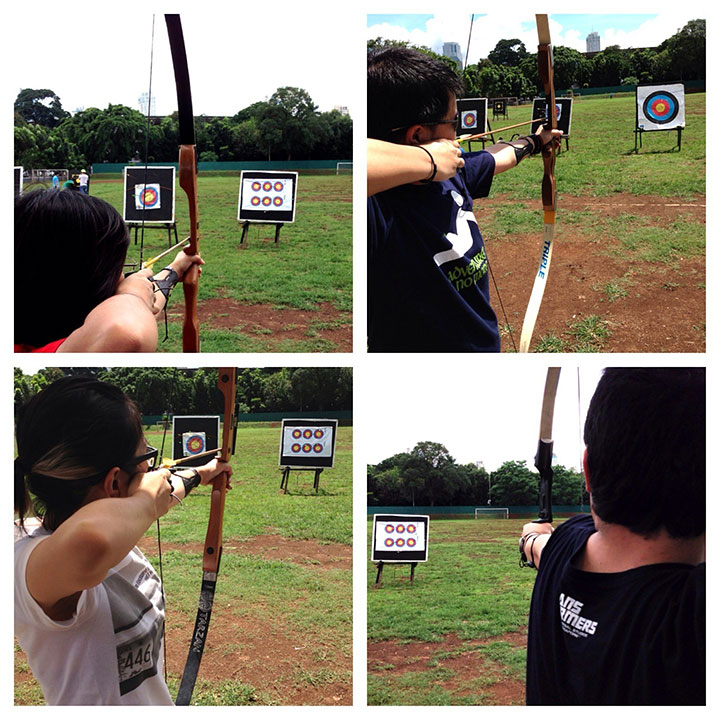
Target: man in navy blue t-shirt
x=618 y=609
x=427 y=268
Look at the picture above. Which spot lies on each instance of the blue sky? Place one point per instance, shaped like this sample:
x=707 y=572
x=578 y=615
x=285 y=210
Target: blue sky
x=632 y=30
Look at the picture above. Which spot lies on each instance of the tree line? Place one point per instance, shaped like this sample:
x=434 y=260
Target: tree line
x=180 y=391
x=428 y=475
x=511 y=71
x=287 y=126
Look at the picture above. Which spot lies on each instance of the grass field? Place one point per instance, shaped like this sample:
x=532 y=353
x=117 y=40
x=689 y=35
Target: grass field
x=294 y=297
x=457 y=635
x=281 y=628
x=628 y=268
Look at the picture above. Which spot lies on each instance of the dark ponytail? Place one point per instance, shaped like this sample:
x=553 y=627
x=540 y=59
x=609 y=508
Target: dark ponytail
x=68 y=436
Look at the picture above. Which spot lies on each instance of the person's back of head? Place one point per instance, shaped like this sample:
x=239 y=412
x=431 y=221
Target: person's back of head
x=69 y=254
x=645 y=438
x=406 y=87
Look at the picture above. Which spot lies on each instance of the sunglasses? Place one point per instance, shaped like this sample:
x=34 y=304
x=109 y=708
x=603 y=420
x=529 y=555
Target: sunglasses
x=150 y=455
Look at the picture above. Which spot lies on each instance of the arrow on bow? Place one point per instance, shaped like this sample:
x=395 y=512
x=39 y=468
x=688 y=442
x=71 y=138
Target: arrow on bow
x=187 y=176
x=549 y=195
x=543 y=456
x=213 y=540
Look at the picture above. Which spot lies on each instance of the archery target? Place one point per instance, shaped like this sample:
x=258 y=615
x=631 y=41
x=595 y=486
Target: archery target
x=468 y=120
x=277 y=194
x=400 y=538
x=661 y=107
x=147 y=197
x=308 y=443
x=472 y=115
x=193 y=435
x=194 y=443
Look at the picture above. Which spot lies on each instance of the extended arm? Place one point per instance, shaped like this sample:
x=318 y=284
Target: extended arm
x=390 y=164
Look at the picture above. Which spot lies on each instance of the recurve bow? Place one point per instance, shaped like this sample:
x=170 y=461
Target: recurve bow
x=549 y=195
x=543 y=456
x=213 y=540
x=187 y=176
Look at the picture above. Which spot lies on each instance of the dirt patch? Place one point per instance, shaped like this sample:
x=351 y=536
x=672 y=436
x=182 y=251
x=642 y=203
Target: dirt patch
x=471 y=673
x=663 y=309
x=275 y=325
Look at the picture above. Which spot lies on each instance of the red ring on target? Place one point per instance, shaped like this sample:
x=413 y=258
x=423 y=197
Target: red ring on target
x=195 y=444
x=307 y=433
x=296 y=433
x=266 y=201
x=411 y=542
x=278 y=201
x=411 y=528
x=149 y=197
x=400 y=542
x=317 y=447
x=319 y=433
x=256 y=186
x=388 y=542
x=389 y=528
x=295 y=447
x=307 y=447
x=400 y=529
x=279 y=187
x=267 y=186
x=255 y=200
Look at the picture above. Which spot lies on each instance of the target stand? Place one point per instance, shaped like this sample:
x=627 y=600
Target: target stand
x=284 y=482
x=659 y=108
x=246 y=228
x=381 y=565
x=170 y=227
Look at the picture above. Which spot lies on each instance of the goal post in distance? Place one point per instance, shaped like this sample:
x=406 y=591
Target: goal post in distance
x=494 y=512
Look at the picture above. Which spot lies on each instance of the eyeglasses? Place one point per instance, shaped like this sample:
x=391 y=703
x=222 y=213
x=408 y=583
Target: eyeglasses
x=150 y=455
x=439 y=122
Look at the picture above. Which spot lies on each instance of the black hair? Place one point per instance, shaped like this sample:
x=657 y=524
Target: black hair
x=68 y=436
x=69 y=253
x=406 y=87
x=645 y=438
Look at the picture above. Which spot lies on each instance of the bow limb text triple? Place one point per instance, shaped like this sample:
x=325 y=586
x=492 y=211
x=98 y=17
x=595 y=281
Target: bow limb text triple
x=549 y=195
x=187 y=177
x=213 y=539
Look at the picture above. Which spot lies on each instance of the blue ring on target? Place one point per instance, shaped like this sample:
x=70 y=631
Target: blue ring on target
x=195 y=444
x=469 y=120
x=661 y=107
x=149 y=197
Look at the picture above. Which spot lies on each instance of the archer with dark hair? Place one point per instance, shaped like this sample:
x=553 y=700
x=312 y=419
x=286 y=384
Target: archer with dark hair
x=428 y=285
x=89 y=607
x=98 y=310
x=618 y=608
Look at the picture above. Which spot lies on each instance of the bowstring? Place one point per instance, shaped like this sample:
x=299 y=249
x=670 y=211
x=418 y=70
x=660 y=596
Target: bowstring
x=147 y=140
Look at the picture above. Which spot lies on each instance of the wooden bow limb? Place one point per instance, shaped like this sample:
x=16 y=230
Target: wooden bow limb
x=212 y=553
x=187 y=177
x=549 y=194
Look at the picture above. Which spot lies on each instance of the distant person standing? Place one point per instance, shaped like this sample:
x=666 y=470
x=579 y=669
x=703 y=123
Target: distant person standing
x=83 y=180
x=55 y=182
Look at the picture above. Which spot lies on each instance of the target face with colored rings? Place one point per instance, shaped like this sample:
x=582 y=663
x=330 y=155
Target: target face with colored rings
x=296 y=447
x=317 y=447
x=256 y=186
x=400 y=542
x=267 y=186
x=296 y=433
x=307 y=433
x=319 y=433
x=661 y=107
x=400 y=528
x=389 y=542
x=411 y=528
x=266 y=201
x=307 y=447
x=255 y=200
x=389 y=528
x=411 y=542
x=469 y=120
x=279 y=187
x=195 y=444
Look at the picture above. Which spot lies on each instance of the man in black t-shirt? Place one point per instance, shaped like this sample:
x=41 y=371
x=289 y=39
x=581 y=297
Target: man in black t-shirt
x=618 y=608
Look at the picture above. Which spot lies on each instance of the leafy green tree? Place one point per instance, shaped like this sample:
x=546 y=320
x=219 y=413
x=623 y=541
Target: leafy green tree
x=40 y=107
x=687 y=51
x=610 y=66
x=508 y=53
x=116 y=134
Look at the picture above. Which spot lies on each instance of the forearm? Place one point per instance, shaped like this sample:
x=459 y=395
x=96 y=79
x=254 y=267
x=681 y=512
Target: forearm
x=390 y=165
